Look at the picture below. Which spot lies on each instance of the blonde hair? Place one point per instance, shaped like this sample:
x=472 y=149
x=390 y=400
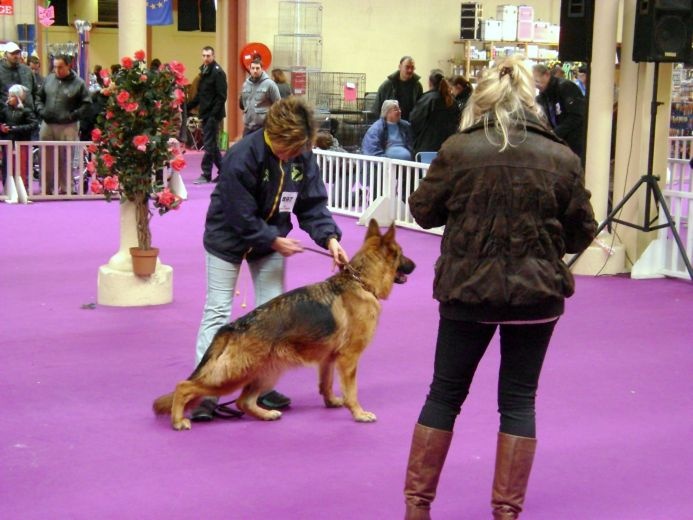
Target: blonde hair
x=503 y=95
x=290 y=125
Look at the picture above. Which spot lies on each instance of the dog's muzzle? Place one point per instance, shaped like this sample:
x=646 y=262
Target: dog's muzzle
x=405 y=267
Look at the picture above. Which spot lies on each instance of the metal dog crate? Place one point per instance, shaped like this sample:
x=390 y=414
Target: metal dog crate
x=338 y=97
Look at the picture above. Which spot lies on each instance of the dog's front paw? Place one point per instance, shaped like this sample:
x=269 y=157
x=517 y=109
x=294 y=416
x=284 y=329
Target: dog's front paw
x=365 y=417
x=334 y=402
x=272 y=415
x=183 y=424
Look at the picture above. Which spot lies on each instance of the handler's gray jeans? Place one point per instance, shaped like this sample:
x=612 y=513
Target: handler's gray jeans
x=268 y=282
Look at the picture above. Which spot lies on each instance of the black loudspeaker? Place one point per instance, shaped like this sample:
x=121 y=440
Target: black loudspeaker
x=663 y=31
x=575 y=40
x=60 y=10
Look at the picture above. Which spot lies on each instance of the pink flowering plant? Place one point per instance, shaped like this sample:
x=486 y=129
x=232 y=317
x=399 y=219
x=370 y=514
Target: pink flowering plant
x=136 y=137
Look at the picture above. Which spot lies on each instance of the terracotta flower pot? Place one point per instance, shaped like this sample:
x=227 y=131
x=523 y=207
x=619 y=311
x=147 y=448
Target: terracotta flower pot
x=144 y=261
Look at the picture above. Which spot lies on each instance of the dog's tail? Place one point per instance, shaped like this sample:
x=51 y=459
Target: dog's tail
x=163 y=404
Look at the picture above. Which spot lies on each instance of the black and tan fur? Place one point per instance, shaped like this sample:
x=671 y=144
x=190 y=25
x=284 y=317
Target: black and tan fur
x=329 y=323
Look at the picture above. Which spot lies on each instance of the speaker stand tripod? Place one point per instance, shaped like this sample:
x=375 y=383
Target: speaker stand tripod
x=651 y=183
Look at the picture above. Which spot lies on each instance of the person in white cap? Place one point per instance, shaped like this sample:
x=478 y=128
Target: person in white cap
x=14 y=72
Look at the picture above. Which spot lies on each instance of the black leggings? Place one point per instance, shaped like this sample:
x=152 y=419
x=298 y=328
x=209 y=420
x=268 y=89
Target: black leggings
x=460 y=347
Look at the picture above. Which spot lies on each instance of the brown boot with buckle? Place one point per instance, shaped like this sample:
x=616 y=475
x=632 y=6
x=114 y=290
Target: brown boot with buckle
x=429 y=447
x=514 y=457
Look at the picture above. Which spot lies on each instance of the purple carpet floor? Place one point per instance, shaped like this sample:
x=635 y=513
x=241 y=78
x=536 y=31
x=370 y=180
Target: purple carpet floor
x=78 y=439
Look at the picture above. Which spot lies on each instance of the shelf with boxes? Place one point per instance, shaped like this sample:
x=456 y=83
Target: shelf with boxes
x=478 y=54
x=682 y=102
x=513 y=31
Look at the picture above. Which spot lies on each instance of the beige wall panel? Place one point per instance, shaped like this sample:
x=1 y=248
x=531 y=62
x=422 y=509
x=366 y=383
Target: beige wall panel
x=372 y=36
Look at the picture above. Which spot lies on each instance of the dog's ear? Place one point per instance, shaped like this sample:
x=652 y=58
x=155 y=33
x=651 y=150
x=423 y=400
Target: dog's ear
x=373 y=229
x=389 y=237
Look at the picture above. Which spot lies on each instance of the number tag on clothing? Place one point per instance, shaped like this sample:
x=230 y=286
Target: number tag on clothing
x=286 y=205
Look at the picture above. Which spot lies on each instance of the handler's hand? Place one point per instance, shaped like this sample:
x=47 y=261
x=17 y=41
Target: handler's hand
x=286 y=246
x=338 y=254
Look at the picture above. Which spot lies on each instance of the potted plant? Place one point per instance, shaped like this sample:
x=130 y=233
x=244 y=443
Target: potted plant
x=135 y=138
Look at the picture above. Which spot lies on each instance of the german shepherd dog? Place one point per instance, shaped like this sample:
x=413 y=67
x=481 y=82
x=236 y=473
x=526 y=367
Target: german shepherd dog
x=329 y=323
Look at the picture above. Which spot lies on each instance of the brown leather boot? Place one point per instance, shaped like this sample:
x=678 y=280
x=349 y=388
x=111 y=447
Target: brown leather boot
x=514 y=456
x=429 y=447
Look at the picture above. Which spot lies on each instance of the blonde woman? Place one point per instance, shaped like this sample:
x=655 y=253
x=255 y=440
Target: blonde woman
x=511 y=197
x=265 y=177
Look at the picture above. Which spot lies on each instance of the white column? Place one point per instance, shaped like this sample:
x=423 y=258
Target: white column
x=598 y=149
x=117 y=285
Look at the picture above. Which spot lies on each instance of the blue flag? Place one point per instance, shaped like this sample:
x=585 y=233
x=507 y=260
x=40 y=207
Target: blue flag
x=159 y=12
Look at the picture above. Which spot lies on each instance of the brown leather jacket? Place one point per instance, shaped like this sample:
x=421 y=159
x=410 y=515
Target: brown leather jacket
x=509 y=218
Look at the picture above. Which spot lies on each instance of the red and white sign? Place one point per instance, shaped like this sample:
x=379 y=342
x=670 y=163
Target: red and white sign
x=298 y=81
x=6 y=6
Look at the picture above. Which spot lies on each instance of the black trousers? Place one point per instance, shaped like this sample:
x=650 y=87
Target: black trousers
x=460 y=347
x=210 y=142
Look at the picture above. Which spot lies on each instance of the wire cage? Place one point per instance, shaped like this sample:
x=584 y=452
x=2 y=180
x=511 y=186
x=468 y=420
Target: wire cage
x=291 y=52
x=338 y=97
x=300 y=18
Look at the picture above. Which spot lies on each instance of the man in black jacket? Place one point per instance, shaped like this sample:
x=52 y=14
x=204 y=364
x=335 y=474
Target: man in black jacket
x=211 y=98
x=564 y=106
x=402 y=85
x=14 y=72
x=61 y=102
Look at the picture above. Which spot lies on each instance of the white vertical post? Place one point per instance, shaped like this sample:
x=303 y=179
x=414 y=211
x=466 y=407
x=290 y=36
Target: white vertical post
x=598 y=149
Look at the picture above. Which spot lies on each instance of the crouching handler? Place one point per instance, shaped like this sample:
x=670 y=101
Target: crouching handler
x=265 y=177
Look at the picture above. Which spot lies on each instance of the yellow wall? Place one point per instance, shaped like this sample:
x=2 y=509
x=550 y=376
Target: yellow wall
x=365 y=36
x=371 y=36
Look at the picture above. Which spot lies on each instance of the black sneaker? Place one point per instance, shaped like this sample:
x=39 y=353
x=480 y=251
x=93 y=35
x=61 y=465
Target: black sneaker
x=202 y=179
x=204 y=412
x=273 y=400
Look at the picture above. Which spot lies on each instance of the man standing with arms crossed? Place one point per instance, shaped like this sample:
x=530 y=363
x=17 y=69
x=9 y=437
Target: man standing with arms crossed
x=211 y=99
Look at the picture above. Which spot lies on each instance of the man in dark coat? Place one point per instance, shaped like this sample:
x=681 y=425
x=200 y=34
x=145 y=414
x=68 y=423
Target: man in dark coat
x=402 y=85
x=564 y=106
x=14 y=72
x=211 y=99
x=61 y=102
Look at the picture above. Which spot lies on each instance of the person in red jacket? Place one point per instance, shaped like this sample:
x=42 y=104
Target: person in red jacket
x=512 y=199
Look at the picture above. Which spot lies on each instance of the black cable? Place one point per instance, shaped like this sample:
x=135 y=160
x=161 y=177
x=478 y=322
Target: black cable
x=625 y=182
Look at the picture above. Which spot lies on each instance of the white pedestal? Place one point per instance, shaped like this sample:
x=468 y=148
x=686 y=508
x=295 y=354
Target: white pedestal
x=595 y=260
x=118 y=286
x=125 y=289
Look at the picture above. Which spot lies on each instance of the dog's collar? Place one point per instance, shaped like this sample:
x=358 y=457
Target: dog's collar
x=355 y=275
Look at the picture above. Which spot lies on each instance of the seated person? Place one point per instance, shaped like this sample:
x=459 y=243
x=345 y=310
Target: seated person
x=390 y=136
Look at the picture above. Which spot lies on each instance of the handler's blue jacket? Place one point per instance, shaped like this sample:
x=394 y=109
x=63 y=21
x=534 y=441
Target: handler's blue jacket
x=240 y=222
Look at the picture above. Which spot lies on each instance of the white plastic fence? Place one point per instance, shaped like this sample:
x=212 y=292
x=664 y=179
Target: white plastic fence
x=678 y=193
x=371 y=187
x=67 y=159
